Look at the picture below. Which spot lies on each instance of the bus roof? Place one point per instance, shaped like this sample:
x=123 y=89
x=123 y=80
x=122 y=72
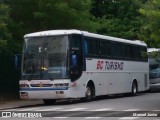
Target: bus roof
x=137 y=42
x=52 y=33
x=66 y=32
x=153 y=49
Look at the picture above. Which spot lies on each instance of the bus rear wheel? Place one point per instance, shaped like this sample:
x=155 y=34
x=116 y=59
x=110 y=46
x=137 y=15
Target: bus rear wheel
x=134 y=88
x=49 y=101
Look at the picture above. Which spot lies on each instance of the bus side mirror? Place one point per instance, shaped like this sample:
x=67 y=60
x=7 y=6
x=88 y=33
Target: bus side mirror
x=17 y=61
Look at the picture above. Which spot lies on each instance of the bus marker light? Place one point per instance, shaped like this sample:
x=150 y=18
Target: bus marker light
x=73 y=84
x=24 y=86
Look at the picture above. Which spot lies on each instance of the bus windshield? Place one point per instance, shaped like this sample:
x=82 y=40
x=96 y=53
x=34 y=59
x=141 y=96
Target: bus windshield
x=45 y=58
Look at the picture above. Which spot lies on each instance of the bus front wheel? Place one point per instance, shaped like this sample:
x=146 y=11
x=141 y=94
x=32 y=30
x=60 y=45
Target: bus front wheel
x=89 y=93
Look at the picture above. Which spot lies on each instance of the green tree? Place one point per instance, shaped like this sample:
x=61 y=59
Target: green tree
x=5 y=35
x=52 y=14
x=119 y=18
x=151 y=28
x=8 y=75
x=7 y=44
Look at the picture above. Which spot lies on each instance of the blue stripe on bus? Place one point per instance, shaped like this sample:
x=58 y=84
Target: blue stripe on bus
x=34 y=89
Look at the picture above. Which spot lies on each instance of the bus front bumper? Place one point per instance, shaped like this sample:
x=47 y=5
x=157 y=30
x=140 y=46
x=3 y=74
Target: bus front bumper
x=47 y=94
x=44 y=93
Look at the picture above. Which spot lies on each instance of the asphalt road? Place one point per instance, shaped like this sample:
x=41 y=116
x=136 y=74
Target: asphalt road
x=118 y=107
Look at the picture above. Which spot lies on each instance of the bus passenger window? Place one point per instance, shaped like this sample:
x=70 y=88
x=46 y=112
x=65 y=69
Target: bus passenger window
x=92 y=46
x=105 y=47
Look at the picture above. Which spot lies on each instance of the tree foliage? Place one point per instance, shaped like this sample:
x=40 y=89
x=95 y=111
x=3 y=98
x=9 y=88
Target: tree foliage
x=5 y=35
x=52 y=14
x=151 y=27
x=118 y=18
x=7 y=49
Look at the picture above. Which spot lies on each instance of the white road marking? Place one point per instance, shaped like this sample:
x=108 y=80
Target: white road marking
x=29 y=109
x=155 y=110
x=102 y=109
x=75 y=109
x=51 y=109
x=132 y=110
x=93 y=117
x=10 y=110
x=60 y=117
x=128 y=118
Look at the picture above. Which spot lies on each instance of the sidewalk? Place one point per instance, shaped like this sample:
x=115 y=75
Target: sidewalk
x=18 y=103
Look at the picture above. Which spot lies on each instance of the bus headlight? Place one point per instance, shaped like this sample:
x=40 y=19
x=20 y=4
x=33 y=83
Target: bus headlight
x=24 y=86
x=61 y=85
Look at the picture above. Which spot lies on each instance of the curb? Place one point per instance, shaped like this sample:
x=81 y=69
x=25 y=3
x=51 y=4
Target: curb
x=20 y=104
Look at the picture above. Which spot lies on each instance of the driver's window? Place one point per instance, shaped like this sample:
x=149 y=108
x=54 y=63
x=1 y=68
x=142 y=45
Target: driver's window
x=76 y=49
x=76 y=56
x=76 y=42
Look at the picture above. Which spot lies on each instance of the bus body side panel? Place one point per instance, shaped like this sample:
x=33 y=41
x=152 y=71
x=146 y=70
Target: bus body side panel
x=116 y=76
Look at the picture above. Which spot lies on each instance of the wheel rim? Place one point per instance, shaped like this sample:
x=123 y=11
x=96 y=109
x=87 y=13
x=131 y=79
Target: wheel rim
x=88 y=93
x=134 y=89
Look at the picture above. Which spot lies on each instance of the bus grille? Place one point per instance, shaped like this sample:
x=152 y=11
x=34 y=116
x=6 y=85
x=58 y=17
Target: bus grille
x=41 y=85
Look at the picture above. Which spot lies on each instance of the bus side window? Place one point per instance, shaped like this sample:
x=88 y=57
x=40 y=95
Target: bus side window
x=144 y=56
x=116 y=50
x=137 y=53
x=105 y=47
x=91 y=47
x=76 y=42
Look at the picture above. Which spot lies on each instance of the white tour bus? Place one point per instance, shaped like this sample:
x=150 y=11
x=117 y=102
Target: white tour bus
x=64 y=64
x=154 y=65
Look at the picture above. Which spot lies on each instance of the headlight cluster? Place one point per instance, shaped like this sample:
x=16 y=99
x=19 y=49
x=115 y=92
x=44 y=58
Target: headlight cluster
x=61 y=85
x=24 y=86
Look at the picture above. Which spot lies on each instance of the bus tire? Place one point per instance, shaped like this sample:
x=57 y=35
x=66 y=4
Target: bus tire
x=89 y=93
x=134 y=88
x=49 y=101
